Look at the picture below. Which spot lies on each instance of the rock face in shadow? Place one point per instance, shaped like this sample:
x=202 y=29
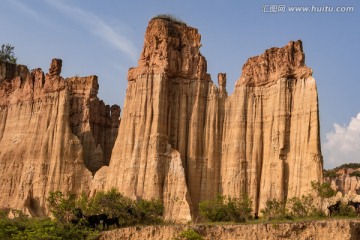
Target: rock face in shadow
x=50 y=128
x=183 y=140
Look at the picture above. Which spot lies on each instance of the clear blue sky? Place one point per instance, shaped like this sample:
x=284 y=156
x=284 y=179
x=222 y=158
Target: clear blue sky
x=105 y=38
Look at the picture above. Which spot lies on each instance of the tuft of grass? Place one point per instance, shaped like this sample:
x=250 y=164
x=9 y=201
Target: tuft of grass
x=170 y=18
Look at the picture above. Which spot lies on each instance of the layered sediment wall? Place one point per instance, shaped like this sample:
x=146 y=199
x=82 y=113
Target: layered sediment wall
x=319 y=230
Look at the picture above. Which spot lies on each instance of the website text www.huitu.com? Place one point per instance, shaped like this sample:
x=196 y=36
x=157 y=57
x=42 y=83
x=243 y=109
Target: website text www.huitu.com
x=279 y=8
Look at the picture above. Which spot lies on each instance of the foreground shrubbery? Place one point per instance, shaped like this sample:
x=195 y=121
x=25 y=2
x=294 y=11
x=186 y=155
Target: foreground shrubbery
x=307 y=206
x=189 y=234
x=23 y=227
x=70 y=224
x=65 y=208
x=224 y=208
x=303 y=207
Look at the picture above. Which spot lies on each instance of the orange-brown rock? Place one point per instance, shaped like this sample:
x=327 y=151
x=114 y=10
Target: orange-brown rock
x=50 y=128
x=271 y=141
x=320 y=230
x=168 y=145
x=345 y=183
x=95 y=123
x=274 y=64
x=183 y=140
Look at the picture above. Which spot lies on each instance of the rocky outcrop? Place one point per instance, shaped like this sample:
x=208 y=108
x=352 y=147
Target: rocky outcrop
x=345 y=183
x=50 y=128
x=321 y=230
x=182 y=139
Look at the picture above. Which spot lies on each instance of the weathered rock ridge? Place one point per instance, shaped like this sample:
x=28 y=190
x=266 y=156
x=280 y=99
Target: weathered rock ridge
x=182 y=139
x=52 y=130
x=320 y=230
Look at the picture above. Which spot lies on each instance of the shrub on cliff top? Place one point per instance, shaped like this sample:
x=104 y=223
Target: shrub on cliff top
x=7 y=53
x=355 y=174
x=170 y=18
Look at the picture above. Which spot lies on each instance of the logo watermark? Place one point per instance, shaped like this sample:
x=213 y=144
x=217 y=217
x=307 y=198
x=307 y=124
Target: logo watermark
x=280 y=8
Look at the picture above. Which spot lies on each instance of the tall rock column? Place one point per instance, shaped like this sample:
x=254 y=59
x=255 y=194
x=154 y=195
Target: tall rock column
x=271 y=145
x=170 y=132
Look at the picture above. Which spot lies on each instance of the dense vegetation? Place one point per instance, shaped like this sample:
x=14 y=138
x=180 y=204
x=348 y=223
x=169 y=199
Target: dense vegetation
x=331 y=173
x=23 y=227
x=223 y=209
x=355 y=174
x=348 y=165
x=112 y=203
x=68 y=223
x=307 y=206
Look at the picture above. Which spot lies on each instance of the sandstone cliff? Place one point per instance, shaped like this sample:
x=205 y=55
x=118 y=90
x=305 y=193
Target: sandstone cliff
x=170 y=128
x=50 y=128
x=271 y=140
x=182 y=139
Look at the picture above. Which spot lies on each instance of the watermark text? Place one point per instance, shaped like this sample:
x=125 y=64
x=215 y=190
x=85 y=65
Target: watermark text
x=280 y=8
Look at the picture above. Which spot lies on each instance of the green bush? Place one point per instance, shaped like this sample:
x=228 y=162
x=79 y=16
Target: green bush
x=110 y=202
x=7 y=53
x=323 y=190
x=226 y=209
x=62 y=206
x=189 y=234
x=346 y=211
x=275 y=209
x=355 y=174
x=331 y=174
x=348 y=165
x=302 y=207
x=149 y=211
